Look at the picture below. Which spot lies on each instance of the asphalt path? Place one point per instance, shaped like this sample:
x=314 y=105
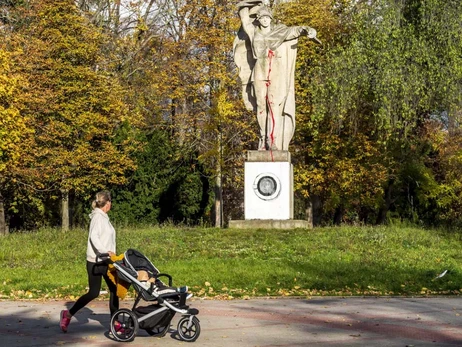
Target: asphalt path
x=318 y=321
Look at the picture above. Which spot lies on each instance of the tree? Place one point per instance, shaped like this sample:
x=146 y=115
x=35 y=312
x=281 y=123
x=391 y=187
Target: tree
x=73 y=103
x=396 y=71
x=321 y=173
x=13 y=129
x=178 y=59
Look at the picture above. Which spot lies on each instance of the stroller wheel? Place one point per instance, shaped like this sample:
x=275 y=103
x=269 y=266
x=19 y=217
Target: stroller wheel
x=158 y=331
x=189 y=328
x=124 y=325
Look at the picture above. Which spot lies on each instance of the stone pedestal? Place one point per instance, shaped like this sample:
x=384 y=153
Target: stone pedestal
x=268 y=192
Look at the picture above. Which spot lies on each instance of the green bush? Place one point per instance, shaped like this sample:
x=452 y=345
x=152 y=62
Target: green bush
x=168 y=185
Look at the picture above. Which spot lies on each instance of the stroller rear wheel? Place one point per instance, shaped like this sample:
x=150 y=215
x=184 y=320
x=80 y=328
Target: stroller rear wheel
x=124 y=325
x=189 y=328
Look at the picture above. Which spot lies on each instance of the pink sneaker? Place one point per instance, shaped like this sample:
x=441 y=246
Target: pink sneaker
x=64 y=321
x=118 y=328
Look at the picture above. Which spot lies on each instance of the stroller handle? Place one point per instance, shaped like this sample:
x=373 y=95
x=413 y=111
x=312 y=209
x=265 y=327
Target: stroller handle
x=104 y=257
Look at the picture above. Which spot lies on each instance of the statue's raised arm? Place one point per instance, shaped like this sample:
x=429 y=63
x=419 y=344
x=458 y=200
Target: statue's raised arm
x=243 y=55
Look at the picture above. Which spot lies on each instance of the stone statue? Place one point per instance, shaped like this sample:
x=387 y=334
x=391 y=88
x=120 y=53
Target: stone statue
x=265 y=55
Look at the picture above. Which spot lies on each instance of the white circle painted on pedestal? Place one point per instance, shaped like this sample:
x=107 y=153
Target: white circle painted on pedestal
x=267 y=186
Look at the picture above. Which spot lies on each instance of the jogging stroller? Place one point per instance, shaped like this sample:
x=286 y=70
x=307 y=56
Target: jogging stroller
x=165 y=301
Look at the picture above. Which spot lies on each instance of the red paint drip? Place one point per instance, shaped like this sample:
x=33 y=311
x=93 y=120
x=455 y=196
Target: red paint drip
x=268 y=83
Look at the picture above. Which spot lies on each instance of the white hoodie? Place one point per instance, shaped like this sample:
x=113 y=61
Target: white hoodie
x=102 y=236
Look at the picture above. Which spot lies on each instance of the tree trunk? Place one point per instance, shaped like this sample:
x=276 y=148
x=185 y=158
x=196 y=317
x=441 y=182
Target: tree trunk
x=3 y=227
x=218 y=202
x=382 y=215
x=65 y=210
x=338 y=215
x=309 y=211
x=218 y=187
x=316 y=209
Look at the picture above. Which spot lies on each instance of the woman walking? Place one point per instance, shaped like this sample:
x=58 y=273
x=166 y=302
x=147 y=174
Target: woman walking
x=101 y=239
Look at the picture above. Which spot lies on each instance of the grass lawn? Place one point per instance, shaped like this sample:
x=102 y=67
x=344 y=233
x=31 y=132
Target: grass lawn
x=226 y=263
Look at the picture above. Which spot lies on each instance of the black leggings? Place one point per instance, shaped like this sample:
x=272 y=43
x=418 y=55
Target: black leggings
x=95 y=274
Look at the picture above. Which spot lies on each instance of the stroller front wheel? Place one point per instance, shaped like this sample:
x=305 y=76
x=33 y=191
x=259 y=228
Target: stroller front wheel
x=124 y=325
x=189 y=328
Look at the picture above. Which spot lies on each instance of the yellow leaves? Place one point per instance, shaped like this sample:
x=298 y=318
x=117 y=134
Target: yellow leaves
x=225 y=106
x=13 y=127
x=9 y=291
x=90 y=337
x=21 y=294
x=63 y=124
x=344 y=169
x=209 y=288
x=227 y=293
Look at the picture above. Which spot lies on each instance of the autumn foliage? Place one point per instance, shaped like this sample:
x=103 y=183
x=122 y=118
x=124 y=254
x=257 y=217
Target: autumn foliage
x=142 y=97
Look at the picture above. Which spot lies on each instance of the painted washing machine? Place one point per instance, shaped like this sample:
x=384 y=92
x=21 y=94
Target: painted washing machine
x=268 y=190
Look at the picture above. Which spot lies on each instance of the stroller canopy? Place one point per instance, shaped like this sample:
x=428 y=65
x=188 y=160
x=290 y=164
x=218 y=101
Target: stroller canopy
x=137 y=261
